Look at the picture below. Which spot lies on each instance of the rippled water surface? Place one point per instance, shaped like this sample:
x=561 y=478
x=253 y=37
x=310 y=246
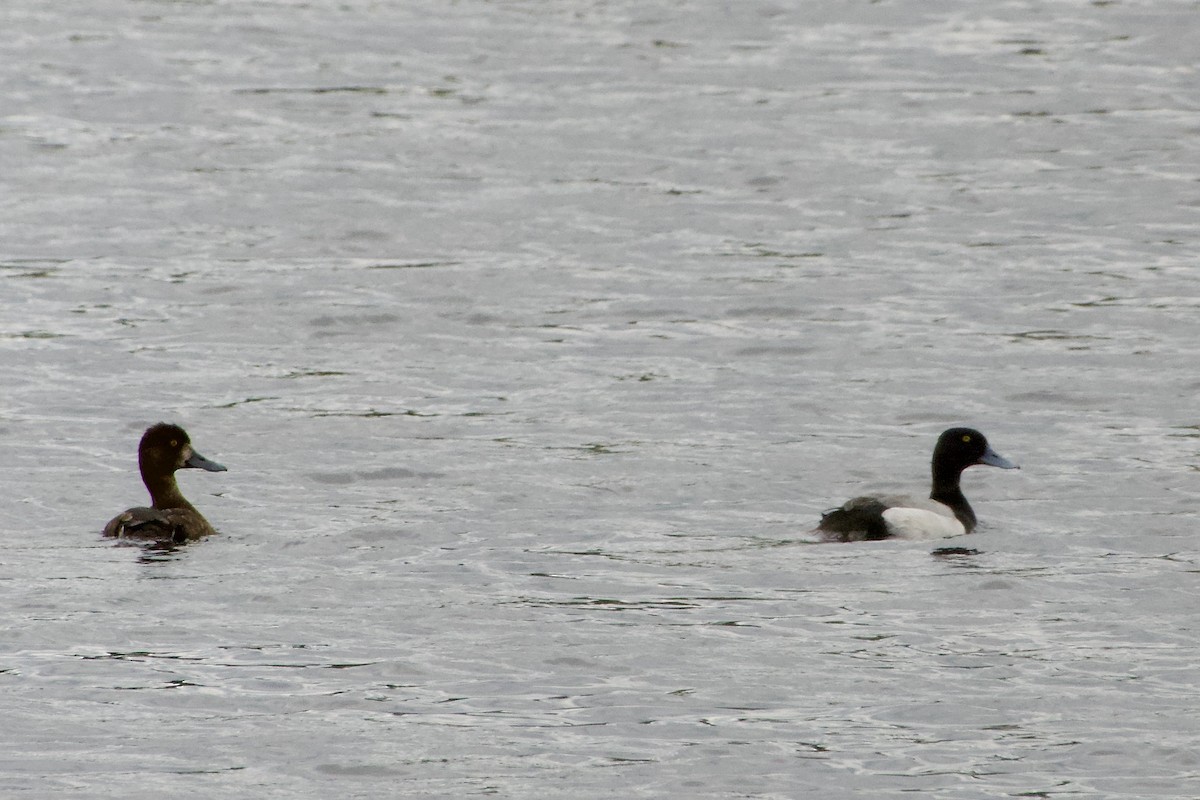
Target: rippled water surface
x=536 y=335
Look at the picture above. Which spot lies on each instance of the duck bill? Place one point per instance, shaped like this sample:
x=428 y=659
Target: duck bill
x=993 y=459
x=197 y=461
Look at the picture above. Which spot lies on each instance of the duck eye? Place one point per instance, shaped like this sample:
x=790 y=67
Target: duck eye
x=174 y=443
x=966 y=437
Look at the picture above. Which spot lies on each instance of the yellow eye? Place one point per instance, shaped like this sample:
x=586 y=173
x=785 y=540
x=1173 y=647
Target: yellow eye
x=966 y=437
x=174 y=443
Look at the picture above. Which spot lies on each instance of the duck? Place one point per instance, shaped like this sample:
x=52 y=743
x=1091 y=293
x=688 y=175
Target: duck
x=163 y=450
x=945 y=513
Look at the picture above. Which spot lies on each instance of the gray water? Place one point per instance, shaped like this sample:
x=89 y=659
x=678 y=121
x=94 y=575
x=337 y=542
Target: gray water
x=536 y=335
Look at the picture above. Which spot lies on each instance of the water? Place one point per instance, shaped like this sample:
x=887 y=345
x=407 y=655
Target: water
x=535 y=336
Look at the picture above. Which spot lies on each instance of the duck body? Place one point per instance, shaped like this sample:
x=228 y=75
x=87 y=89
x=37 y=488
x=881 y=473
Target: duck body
x=943 y=514
x=175 y=525
x=874 y=517
x=164 y=449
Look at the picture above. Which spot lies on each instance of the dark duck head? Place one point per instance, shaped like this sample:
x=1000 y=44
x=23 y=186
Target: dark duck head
x=957 y=449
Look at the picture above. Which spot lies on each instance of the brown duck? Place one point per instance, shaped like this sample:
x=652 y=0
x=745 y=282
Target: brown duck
x=163 y=450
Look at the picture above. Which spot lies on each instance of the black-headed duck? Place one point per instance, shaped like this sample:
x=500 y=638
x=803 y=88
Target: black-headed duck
x=946 y=512
x=163 y=450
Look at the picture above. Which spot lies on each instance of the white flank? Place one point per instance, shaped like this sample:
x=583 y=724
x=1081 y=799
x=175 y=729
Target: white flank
x=920 y=523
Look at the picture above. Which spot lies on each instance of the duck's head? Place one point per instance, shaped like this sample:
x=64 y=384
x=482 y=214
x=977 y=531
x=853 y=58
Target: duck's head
x=165 y=448
x=959 y=448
